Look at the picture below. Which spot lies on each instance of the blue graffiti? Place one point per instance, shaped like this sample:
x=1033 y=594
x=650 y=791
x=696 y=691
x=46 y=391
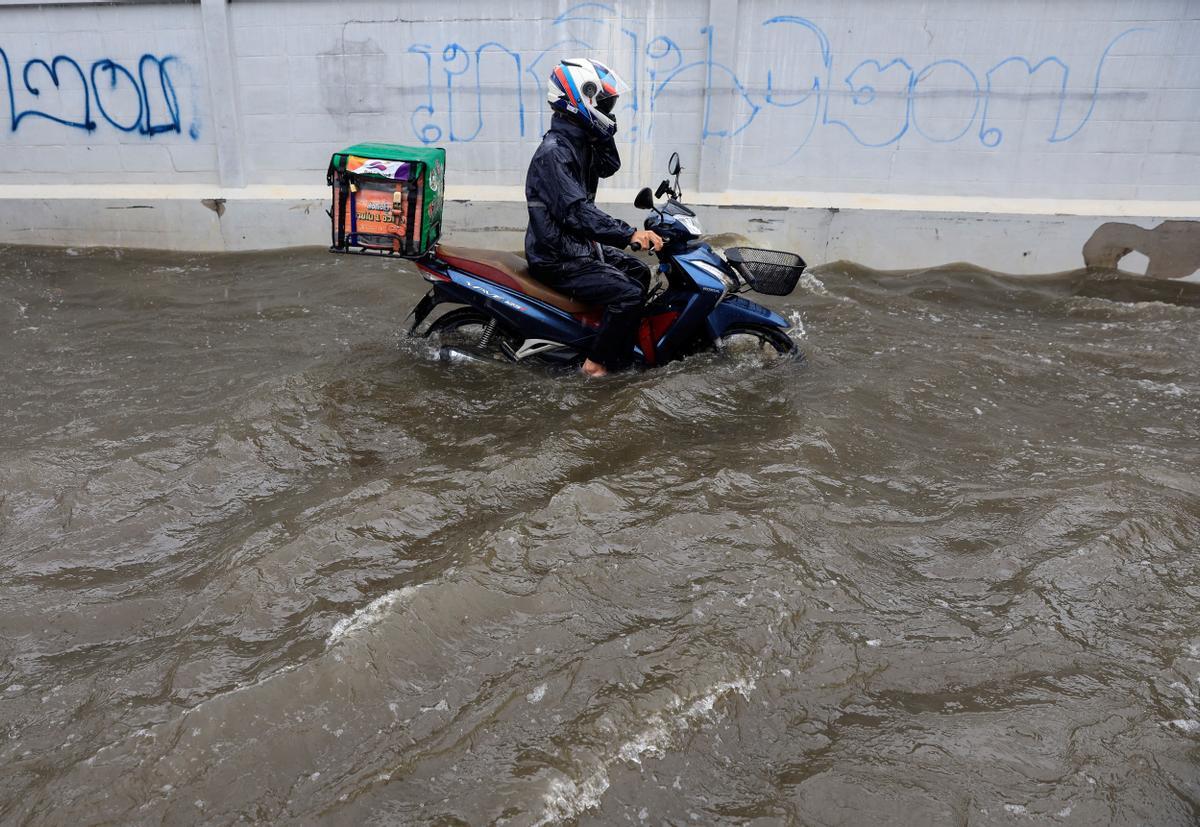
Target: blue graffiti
x=877 y=103
x=115 y=73
x=454 y=51
x=826 y=62
x=819 y=83
x=142 y=99
x=455 y=54
x=51 y=71
x=708 y=65
x=865 y=95
x=169 y=98
x=915 y=97
x=428 y=132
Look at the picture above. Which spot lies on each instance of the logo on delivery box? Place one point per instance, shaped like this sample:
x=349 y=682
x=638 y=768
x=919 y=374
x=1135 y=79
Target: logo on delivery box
x=396 y=170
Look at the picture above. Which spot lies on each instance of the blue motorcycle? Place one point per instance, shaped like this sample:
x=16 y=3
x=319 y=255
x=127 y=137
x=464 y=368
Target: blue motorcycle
x=503 y=313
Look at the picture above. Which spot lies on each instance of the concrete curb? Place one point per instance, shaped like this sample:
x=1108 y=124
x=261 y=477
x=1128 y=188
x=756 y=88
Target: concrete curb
x=1021 y=236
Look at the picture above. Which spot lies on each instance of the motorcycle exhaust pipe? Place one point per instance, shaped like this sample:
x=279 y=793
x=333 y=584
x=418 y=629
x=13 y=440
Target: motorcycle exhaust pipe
x=462 y=355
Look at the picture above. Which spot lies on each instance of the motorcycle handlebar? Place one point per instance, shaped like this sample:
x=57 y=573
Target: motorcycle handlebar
x=636 y=246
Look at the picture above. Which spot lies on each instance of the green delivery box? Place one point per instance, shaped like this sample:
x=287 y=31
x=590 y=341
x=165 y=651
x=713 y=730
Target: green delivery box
x=387 y=198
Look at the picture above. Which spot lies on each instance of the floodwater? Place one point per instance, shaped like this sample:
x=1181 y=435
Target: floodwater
x=263 y=559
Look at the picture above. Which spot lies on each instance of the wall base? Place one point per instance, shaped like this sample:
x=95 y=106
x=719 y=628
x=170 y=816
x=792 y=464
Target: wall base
x=1020 y=236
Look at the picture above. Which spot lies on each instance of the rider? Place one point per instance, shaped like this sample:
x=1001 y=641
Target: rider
x=568 y=241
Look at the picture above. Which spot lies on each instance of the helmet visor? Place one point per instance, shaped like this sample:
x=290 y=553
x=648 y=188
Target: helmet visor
x=611 y=84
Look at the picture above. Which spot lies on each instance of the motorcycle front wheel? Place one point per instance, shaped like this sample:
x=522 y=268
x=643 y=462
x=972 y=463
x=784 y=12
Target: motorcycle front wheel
x=766 y=345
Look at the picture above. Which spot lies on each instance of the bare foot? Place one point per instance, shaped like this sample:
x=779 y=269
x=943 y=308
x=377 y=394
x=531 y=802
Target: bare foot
x=593 y=370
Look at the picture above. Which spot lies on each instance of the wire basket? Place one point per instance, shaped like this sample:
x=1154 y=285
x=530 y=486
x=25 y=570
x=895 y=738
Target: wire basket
x=766 y=271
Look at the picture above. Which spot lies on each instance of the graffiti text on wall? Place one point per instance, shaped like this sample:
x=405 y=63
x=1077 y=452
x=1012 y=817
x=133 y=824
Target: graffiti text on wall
x=876 y=103
x=139 y=97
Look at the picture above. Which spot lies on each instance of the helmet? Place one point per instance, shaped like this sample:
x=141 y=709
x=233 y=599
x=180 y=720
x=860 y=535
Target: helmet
x=586 y=90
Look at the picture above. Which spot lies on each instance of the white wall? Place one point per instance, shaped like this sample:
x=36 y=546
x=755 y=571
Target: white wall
x=152 y=126
x=794 y=103
x=904 y=96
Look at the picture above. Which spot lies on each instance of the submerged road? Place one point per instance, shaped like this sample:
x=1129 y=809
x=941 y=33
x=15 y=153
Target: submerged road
x=263 y=559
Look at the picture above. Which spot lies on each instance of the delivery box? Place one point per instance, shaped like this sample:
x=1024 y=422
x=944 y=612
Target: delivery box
x=387 y=198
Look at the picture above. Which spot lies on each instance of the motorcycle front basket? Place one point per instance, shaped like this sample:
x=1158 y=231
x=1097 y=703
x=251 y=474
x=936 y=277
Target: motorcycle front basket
x=766 y=271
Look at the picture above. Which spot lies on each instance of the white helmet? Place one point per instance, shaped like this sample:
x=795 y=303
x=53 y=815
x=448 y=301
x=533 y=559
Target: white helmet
x=587 y=90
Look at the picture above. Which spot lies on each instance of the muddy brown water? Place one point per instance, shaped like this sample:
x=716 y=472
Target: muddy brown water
x=263 y=559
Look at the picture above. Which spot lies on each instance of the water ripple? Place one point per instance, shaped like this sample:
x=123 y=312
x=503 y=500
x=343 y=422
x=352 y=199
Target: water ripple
x=266 y=559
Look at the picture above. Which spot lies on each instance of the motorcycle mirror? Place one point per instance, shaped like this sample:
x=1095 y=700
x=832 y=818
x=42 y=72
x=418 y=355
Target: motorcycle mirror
x=644 y=199
x=673 y=167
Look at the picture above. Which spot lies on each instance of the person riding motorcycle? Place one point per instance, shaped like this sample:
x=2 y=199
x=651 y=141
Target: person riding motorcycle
x=571 y=244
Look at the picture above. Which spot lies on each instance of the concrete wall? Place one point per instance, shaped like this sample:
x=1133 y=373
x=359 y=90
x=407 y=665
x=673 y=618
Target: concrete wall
x=98 y=94
x=808 y=102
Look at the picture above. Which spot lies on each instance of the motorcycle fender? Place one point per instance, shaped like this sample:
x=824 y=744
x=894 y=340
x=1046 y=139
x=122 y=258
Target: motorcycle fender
x=736 y=311
x=423 y=309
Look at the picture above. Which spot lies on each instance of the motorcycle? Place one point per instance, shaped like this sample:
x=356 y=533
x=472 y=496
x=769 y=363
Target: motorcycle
x=502 y=313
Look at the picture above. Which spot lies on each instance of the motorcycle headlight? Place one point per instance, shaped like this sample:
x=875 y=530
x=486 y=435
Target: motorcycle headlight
x=727 y=280
x=690 y=223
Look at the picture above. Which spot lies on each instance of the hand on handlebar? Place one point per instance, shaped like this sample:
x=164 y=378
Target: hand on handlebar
x=643 y=239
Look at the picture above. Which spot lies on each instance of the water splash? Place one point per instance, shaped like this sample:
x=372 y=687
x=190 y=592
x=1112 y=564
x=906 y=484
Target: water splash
x=567 y=798
x=798 y=331
x=369 y=615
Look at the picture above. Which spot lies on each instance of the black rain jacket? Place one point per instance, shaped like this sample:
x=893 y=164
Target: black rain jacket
x=560 y=189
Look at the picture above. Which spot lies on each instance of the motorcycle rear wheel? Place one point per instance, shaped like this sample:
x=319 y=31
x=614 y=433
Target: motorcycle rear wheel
x=464 y=330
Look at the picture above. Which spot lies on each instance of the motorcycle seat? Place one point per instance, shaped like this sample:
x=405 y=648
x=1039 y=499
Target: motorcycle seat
x=511 y=271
